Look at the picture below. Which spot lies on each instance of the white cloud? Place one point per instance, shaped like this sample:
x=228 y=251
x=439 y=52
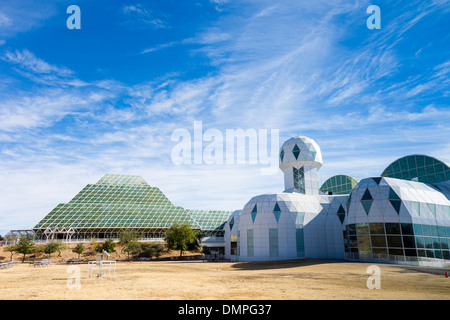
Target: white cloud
x=5 y=21
x=29 y=61
x=276 y=67
x=23 y=15
x=137 y=16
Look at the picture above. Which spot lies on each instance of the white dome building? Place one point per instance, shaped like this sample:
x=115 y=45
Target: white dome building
x=300 y=160
x=295 y=224
x=401 y=217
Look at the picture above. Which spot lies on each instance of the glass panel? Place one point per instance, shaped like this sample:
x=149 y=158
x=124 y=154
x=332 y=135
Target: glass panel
x=378 y=241
x=444 y=243
x=436 y=243
x=353 y=241
x=250 y=243
x=428 y=242
x=300 y=243
x=366 y=195
x=408 y=242
x=299 y=238
x=351 y=229
x=410 y=253
x=379 y=250
x=441 y=231
x=363 y=241
x=367 y=205
x=446 y=254
x=420 y=243
x=407 y=229
x=396 y=252
x=394 y=241
x=434 y=231
x=438 y=254
x=392 y=228
x=417 y=229
x=421 y=253
x=362 y=228
x=376 y=228
x=273 y=242
x=426 y=230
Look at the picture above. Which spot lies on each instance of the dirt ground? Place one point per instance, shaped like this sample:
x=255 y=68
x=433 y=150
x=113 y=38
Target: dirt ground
x=197 y=280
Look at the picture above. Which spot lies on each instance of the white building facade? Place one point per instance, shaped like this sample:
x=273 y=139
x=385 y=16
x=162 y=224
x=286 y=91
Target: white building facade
x=380 y=218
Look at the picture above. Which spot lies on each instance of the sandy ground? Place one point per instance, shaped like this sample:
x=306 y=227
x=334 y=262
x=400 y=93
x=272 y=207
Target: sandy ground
x=197 y=280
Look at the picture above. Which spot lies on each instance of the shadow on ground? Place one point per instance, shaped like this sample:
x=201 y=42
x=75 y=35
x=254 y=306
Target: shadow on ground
x=281 y=264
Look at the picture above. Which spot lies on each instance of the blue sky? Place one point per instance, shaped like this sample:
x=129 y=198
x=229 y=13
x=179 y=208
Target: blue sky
x=76 y=104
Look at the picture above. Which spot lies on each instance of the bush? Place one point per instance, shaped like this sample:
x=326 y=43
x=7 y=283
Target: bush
x=109 y=246
x=79 y=249
x=150 y=250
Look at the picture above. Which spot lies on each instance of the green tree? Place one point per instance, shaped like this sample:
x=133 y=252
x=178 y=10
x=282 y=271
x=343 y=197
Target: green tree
x=109 y=246
x=50 y=248
x=53 y=247
x=24 y=247
x=181 y=237
x=129 y=242
x=79 y=249
x=60 y=247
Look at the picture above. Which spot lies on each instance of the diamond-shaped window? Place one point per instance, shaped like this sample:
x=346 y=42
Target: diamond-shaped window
x=341 y=213
x=367 y=201
x=254 y=212
x=296 y=151
x=277 y=211
x=367 y=195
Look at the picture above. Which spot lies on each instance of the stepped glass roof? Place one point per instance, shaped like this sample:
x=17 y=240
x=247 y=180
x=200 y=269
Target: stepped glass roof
x=124 y=201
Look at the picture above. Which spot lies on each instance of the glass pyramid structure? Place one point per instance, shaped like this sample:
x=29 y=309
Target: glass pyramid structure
x=117 y=202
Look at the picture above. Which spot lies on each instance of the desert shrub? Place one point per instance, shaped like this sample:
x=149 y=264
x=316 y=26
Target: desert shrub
x=150 y=250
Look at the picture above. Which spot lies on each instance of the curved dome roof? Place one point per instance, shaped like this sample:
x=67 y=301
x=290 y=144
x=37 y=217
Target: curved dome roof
x=420 y=168
x=300 y=149
x=339 y=184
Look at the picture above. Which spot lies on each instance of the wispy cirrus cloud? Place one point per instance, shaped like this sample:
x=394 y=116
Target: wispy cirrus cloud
x=27 y=60
x=137 y=16
x=15 y=17
x=5 y=21
x=309 y=68
x=159 y=47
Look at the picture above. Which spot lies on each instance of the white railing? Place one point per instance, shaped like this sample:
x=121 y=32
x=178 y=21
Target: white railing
x=396 y=259
x=96 y=240
x=204 y=240
x=213 y=239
